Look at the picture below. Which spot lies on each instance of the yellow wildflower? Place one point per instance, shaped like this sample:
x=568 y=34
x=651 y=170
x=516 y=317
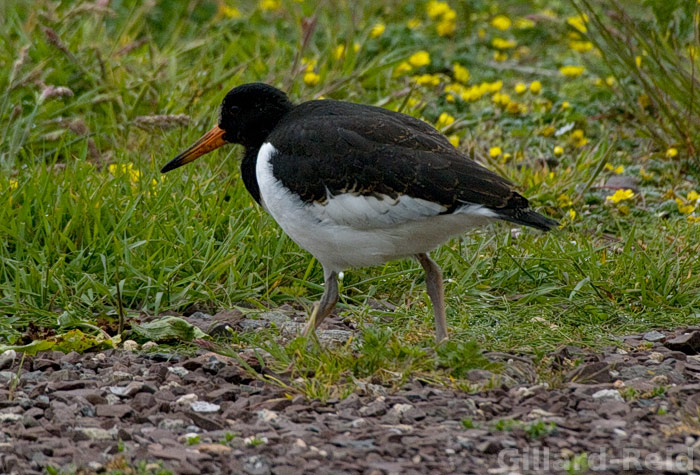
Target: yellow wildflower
x=481 y=33
x=14 y=184
x=269 y=5
x=427 y=79
x=572 y=214
x=446 y=27
x=645 y=174
x=413 y=23
x=495 y=152
x=501 y=99
x=638 y=61
x=309 y=64
x=402 y=68
x=454 y=140
x=578 y=138
x=500 y=56
x=311 y=78
x=129 y=170
x=558 y=150
x=502 y=43
x=444 y=120
x=581 y=46
x=578 y=22
x=565 y=105
x=671 y=152
x=520 y=88
x=436 y=9
x=227 y=11
x=617 y=170
x=610 y=80
x=514 y=107
x=693 y=196
x=564 y=200
x=572 y=71
x=339 y=51
x=620 y=195
x=547 y=131
x=420 y=58
x=460 y=73
x=377 y=30
x=535 y=87
x=524 y=23
x=684 y=208
x=501 y=22
x=693 y=219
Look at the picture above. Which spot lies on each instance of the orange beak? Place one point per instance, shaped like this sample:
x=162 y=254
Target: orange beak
x=208 y=142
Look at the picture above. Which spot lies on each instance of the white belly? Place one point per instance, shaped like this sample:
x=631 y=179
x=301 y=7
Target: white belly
x=358 y=231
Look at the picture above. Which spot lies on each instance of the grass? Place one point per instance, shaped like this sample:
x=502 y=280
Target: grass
x=88 y=223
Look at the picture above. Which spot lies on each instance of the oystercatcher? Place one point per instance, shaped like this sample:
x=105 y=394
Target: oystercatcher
x=358 y=185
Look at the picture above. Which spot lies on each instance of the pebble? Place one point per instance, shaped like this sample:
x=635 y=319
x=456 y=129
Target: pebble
x=608 y=395
x=149 y=345
x=654 y=336
x=186 y=399
x=96 y=433
x=130 y=345
x=178 y=370
x=267 y=415
x=655 y=356
x=7 y=359
x=203 y=406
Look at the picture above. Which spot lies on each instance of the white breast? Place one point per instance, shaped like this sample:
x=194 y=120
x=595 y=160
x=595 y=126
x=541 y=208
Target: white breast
x=351 y=230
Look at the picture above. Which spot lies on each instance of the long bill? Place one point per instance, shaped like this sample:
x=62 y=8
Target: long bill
x=208 y=142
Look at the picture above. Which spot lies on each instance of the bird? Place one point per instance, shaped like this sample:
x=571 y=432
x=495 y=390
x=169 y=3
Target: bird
x=357 y=185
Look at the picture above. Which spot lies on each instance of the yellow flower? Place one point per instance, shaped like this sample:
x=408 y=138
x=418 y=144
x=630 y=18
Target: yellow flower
x=516 y=108
x=427 y=79
x=581 y=46
x=693 y=196
x=502 y=43
x=500 y=56
x=454 y=140
x=413 y=23
x=501 y=22
x=269 y=5
x=578 y=138
x=14 y=184
x=228 y=12
x=638 y=61
x=558 y=150
x=524 y=23
x=421 y=58
x=446 y=27
x=672 y=152
x=564 y=200
x=520 y=88
x=684 y=208
x=620 y=195
x=572 y=214
x=693 y=219
x=436 y=9
x=495 y=152
x=535 y=87
x=460 y=73
x=339 y=51
x=547 y=131
x=578 y=22
x=377 y=30
x=565 y=105
x=501 y=99
x=403 y=68
x=134 y=174
x=645 y=174
x=309 y=64
x=311 y=78
x=444 y=120
x=617 y=170
x=572 y=71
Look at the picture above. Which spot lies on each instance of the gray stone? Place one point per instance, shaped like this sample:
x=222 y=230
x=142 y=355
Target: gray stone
x=654 y=336
x=203 y=406
x=607 y=395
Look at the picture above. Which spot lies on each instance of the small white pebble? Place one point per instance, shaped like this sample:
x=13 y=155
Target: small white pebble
x=300 y=443
x=186 y=399
x=656 y=356
x=130 y=345
x=149 y=345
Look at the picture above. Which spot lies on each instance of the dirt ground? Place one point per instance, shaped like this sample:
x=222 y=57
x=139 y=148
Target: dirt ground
x=629 y=409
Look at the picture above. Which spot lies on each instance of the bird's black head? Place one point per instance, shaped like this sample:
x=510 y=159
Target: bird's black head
x=247 y=116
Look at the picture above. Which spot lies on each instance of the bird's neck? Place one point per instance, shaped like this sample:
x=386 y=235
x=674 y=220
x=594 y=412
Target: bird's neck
x=248 y=171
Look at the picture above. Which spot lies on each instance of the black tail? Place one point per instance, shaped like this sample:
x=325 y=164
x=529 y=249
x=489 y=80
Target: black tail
x=527 y=217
